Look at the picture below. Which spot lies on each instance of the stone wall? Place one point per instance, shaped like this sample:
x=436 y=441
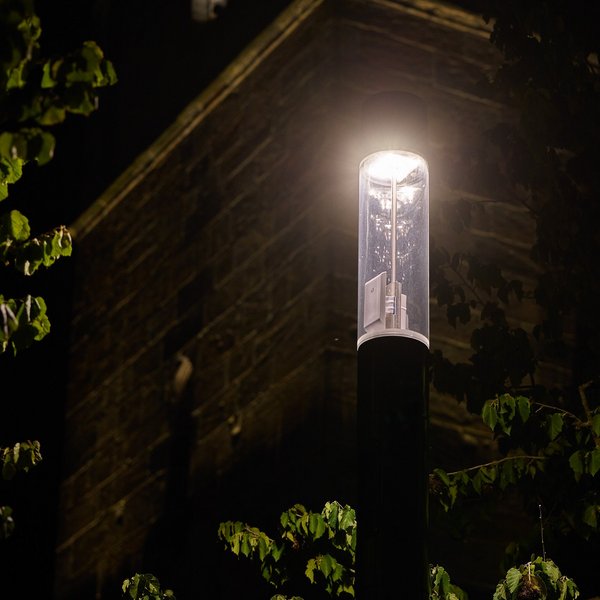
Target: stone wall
x=212 y=368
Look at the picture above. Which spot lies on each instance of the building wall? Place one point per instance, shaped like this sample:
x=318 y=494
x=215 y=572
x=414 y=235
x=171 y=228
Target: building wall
x=212 y=368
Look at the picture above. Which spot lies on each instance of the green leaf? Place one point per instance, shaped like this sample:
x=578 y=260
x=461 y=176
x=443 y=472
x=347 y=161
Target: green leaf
x=311 y=566
x=53 y=115
x=573 y=591
x=48 y=80
x=348 y=518
x=500 y=593
x=20 y=457
x=22 y=322
x=524 y=408
x=563 y=589
x=442 y=475
x=317 y=525
x=276 y=552
x=14 y=225
x=513 y=578
x=554 y=425
x=596 y=424
x=551 y=570
x=110 y=75
x=43 y=250
x=488 y=473
x=590 y=515
x=303 y=524
x=11 y=167
x=594 y=461
x=145 y=587
x=330 y=512
x=577 y=463
x=489 y=414
x=326 y=564
x=245 y=546
x=263 y=547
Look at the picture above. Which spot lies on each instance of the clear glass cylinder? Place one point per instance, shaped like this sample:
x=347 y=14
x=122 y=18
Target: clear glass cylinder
x=393 y=246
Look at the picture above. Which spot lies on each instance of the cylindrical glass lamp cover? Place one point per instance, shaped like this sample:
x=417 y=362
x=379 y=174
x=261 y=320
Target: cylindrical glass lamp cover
x=393 y=247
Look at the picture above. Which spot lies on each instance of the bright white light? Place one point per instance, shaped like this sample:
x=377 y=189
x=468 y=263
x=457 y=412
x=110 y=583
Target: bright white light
x=383 y=166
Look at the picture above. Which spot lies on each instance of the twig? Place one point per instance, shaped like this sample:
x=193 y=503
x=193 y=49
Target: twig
x=542 y=533
x=561 y=410
x=497 y=462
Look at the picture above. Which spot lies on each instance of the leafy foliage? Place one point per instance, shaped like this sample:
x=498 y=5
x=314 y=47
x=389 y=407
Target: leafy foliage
x=21 y=457
x=545 y=162
x=145 y=587
x=326 y=545
x=22 y=322
x=319 y=546
x=537 y=579
x=552 y=457
x=441 y=588
x=26 y=254
x=503 y=355
x=36 y=93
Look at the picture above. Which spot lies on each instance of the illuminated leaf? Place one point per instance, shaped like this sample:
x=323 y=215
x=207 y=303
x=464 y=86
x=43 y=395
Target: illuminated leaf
x=15 y=226
x=311 y=566
x=513 y=578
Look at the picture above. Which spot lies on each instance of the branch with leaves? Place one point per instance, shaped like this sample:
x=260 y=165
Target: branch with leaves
x=36 y=93
x=145 y=586
x=538 y=579
x=542 y=443
x=21 y=457
x=319 y=546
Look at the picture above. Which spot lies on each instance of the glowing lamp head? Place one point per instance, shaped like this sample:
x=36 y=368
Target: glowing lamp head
x=393 y=269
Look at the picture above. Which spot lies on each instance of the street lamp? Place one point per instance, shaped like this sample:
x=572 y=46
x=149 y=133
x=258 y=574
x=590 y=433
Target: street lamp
x=393 y=345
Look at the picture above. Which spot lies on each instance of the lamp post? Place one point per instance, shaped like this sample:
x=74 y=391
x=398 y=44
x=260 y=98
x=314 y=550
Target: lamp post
x=393 y=344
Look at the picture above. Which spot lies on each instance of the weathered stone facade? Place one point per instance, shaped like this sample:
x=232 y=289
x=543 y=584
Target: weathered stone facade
x=213 y=337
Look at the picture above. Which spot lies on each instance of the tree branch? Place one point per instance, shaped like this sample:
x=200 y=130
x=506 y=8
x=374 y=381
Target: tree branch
x=557 y=409
x=497 y=462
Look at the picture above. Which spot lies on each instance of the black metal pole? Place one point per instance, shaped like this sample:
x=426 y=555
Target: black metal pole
x=393 y=393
